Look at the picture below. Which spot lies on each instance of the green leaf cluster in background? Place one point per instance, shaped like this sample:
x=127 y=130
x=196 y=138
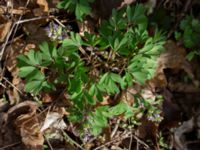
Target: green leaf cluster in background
x=80 y=7
x=190 y=35
x=127 y=36
x=192 y=54
x=189 y=32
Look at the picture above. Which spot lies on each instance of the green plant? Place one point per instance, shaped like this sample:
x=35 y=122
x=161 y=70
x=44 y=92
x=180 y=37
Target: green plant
x=99 y=119
x=92 y=66
x=189 y=34
x=44 y=147
x=151 y=106
x=193 y=53
x=80 y=7
x=163 y=145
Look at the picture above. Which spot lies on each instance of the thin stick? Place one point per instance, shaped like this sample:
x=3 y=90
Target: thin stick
x=72 y=141
x=49 y=143
x=11 y=145
x=115 y=129
x=14 y=26
x=138 y=145
x=2 y=85
x=17 y=25
x=33 y=19
x=12 y=85
x=130 y=144
x=60 y=23
x=114 y=140
x=140 y=141
x=7 y=38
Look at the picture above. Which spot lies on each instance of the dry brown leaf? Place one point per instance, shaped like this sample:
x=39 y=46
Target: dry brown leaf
x=128 y=95
x=148 y=130
x=88 y=25
x=37 y=33
x=43 y=10
x=16 y=48
x=11 y=52
x=43 y=4
x=173 y=58
x=53 y=120
x=4 y=28
x=26 y=121
x=46 y=98
x=18 y=11
x=170 y=111
x=13 y=96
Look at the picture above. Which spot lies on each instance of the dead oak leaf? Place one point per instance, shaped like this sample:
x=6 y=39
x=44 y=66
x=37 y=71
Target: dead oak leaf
x=27 y=124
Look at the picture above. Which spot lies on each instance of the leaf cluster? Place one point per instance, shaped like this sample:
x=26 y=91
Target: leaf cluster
x=80 y=7
x=190 y=35
x=96 y=65
x=189 y=32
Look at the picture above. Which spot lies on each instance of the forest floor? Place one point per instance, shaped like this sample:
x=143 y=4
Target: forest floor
x=40 y=122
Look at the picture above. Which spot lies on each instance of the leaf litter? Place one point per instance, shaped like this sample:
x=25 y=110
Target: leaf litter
x=23 y=126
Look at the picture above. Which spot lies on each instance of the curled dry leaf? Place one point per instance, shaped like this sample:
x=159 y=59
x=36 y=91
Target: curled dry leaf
x=172 y=4
x=179 y=138
x=173 y=58
x=27 y=124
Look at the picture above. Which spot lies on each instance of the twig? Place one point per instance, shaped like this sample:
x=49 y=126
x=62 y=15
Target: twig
x=137 y=146
x=2 y=85
x=114 y=140
x=115 y=129
x=48 y=143
x=12 y=85
x=7 y=38
x=60 y=23
x=72 y=141
x=130 y=144
x=14 y=26
x=32 y=19
x=17 y=25
x=11 y=145
x=140 y=141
